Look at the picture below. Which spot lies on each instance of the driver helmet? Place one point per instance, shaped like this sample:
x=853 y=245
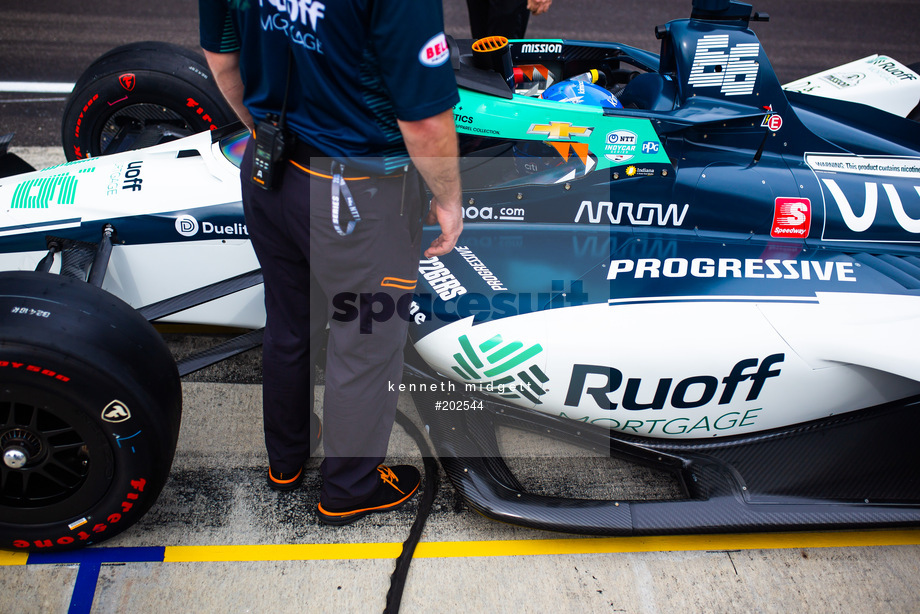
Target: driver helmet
x=581 y=92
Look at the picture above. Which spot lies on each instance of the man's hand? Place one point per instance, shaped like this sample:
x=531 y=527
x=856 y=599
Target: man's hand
x=451 y=221
x=538 y=7
x=432 y=144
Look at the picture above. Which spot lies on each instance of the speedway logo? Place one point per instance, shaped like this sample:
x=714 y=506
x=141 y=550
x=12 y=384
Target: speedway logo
x=733 y=70
x=645 y=214
x=791 y=218
x=188 y=226
x=508 y=367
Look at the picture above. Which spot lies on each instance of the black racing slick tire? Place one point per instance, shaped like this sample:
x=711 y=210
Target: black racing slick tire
x=139 y=95
x=90 y=404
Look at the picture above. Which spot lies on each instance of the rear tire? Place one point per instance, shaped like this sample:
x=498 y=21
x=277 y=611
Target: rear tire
x=139 y=95
x=90 y=404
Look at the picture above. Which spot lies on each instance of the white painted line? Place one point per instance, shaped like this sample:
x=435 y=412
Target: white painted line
x=36 y=87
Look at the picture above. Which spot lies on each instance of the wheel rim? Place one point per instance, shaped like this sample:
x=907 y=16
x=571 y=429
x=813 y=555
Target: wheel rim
x=136 y=117
x=45 y=459
x=54 y=462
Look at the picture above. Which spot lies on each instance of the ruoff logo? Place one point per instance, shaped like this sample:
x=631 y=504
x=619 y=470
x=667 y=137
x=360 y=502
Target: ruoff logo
x=116 y=411
x=791 y=218
x=186 y=225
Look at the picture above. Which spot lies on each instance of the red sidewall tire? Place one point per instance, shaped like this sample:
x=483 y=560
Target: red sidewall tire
x=146 y=82
x=90 y=394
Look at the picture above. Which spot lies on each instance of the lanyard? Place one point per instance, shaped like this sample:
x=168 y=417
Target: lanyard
x=340 y=188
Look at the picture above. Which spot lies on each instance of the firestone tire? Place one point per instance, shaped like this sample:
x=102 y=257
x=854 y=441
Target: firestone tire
x=160 y=91
x=90 y=404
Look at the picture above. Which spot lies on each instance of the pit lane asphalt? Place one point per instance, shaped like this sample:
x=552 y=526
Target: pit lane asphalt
x=219 y=541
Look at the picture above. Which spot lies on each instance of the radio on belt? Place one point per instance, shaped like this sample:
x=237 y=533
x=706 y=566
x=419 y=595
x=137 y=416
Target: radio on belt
x=270 y=153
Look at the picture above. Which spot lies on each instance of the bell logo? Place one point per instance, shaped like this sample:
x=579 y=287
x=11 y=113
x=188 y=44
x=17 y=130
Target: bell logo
x=435 y=52
x=116 y=411
x=791 y=218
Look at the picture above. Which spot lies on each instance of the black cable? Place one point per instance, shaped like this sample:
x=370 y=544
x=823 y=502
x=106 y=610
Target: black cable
x=398 y=579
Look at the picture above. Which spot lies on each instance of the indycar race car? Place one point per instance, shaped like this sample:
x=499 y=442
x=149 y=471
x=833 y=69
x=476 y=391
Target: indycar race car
x=670 y=257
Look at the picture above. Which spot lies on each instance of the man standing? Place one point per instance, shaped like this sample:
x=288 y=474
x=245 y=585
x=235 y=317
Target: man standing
x=506 y=18
x=365 y=90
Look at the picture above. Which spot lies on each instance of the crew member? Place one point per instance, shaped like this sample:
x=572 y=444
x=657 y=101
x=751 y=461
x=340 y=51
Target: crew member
x=362 y=93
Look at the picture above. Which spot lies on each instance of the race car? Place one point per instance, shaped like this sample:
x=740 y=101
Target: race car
x=695 y=269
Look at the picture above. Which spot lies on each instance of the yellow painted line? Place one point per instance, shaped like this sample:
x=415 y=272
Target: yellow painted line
x=284 y=552
x=13 y=558
x=544 y=547
x=609 y=545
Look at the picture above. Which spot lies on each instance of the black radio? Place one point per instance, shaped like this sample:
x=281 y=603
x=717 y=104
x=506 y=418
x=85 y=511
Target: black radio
x=270 y=153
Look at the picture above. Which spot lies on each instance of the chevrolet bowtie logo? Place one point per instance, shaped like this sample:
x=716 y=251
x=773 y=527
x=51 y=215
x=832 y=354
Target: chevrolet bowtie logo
x=559 y=130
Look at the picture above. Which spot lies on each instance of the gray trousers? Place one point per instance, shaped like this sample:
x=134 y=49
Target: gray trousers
x=315 y=277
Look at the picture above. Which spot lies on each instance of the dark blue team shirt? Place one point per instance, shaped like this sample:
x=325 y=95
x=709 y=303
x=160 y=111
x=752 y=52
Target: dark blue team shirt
x=358 y=65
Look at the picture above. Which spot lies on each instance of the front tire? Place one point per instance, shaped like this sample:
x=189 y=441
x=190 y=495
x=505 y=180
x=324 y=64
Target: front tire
x=139 y=95
x=90 y=403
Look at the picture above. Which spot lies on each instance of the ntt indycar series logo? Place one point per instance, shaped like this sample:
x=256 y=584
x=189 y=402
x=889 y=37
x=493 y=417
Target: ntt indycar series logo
x=188 y=226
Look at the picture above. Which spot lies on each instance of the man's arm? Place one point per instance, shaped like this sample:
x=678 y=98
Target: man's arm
x=432 y=144
x=226 y=70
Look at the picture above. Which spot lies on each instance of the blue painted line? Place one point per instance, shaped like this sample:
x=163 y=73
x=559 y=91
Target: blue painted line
x=90 y=561
x=84 y=589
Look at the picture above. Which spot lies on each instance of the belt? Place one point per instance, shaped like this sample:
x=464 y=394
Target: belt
x=301 y=155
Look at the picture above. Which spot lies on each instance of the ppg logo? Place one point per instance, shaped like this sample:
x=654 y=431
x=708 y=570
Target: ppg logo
x=650 y=147
x=186 y=225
